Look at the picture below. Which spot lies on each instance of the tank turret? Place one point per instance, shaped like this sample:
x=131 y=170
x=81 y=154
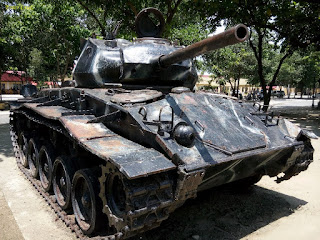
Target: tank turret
x=148 y=60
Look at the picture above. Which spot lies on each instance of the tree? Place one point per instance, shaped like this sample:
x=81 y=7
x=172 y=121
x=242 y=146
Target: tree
x=13 y=39
x=48 y=30
x=36 y=66
x=106 y=14
x=230 y=64
x=290 y=73
x=58 y=38
x=310 y=73
x=289 y=25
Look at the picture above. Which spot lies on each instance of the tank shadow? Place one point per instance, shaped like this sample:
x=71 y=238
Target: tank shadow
x=223 y=214
x=306 y=118
x=308 y=124
x=6 y=148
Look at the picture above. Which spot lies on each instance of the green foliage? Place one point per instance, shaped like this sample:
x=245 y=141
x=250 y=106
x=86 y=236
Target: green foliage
x=36 y=66
x=310 y=64
x=52 y=27
x=104 y=15
x=188 y=34
x=231 y=63
x=288 y=25
x=291 y=71
x=42 y=37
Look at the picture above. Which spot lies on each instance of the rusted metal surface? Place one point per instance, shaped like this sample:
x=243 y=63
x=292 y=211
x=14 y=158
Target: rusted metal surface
x=136 y=97
x=79 y=129
x=53 y=112
x=131 y=158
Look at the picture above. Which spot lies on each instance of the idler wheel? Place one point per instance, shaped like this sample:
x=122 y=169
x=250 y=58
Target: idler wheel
x=62 y=174
x=32 y=157
x=116 y=195
x=113 y=197
x=23 y=145
x=46 y=158
x=86 y=204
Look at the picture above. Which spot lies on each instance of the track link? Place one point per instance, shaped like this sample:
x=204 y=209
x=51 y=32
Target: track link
x=147 y=201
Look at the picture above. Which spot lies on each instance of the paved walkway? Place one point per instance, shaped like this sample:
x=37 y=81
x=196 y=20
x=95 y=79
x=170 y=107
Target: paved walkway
x=10 y=97
x=8 y=226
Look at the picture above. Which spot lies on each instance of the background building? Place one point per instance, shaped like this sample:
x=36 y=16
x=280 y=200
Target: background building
x=12 y=81
x=206 y=82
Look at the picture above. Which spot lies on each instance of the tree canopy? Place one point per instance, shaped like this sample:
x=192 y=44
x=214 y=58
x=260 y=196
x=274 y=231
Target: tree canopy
x=42 y=37
x=287 y=25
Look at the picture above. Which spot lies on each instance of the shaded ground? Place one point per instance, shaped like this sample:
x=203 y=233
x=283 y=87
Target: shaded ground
x=5 y=141
x=224 y=214
x=306 y=118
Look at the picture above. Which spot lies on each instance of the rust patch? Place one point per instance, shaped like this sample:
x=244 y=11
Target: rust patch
x=185 y=99
x=52 y=112
x=79 y=128
x=136 y=96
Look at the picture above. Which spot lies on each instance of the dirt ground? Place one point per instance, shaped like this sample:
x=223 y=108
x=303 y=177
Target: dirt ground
x=290 y=210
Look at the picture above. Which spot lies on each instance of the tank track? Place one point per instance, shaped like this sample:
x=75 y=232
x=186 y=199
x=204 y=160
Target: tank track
x=149 y=203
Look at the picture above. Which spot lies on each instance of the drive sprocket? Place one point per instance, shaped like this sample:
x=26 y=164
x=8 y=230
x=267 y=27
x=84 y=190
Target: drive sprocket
x=135 y=205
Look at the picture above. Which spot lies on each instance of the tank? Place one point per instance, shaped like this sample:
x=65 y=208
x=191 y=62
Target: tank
x=132 y=141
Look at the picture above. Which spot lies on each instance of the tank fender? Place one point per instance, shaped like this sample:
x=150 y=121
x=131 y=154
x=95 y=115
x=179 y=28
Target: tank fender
x=132 y=159
x=302 y=156
x=188 y=183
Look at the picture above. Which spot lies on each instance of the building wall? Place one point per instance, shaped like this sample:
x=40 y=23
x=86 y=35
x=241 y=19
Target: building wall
x=205 y=81
x=10 y=87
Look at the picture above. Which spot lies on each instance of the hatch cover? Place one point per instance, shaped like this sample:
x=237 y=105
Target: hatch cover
x=136 y=96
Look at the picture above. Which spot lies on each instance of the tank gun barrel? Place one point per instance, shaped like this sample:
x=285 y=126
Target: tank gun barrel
x=236 y=34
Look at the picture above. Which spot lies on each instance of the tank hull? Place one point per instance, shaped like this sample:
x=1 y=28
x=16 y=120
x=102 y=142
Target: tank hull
x=126 y=147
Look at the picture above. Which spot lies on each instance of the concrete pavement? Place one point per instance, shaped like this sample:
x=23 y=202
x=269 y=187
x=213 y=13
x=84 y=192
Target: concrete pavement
x=10 y=97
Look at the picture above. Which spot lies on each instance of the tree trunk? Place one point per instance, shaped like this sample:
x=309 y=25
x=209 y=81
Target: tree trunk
x=171 y=12
x=238 y=84
x=63 y=74
x=233 y=90
x=258 y=55
x=0 y=85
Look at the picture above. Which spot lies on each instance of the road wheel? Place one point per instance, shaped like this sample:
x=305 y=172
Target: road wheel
x=46 y=158
x=116 y=194
x=87 y=206
x=32 y=156
x=23 y=145
x=62 y=175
